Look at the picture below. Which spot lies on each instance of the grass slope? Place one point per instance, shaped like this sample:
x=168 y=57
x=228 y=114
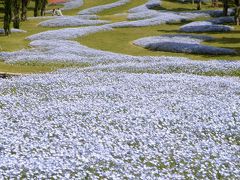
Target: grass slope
x=35 y=67
x=179 y=6
x=120 y=41
x=17 y=41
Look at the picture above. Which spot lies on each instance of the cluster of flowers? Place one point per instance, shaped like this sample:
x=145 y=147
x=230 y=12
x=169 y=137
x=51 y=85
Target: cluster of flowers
x=72 y=4
x=169 y=65
x=53 y=46
x=68 y=33
x=71 y=124
x=182 y=43
x=143 y=16
x=88 y=123
x=140 y=12
x=97 y=9
x=222 y=20
x=72 y=21
x=13 y=30
x=205 y=26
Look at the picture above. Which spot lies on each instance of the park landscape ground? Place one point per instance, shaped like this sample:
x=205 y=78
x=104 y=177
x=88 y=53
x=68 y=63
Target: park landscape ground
x=122 y=89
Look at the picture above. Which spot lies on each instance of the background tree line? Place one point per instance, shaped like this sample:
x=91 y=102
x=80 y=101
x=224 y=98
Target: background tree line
x=16 y=11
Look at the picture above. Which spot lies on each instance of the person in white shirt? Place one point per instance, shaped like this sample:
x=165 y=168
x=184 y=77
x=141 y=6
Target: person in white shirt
x=58 y=12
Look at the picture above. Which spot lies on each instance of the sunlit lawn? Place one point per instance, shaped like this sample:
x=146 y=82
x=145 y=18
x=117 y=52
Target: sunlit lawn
x=120 y=41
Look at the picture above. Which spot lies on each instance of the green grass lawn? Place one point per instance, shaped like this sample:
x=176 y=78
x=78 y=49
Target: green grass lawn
x=120 y=41
x=178 y=6
x=36 y=67
x=17 y=41
x=124 y=36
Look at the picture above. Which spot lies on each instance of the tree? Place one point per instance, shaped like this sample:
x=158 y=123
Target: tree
x=7 y=16
x=36 y=8
x=16 y=12
x=237 y=16
x=225 y=7
x=214 y=3
x=24 y=9
x=43 y=6
x=237 y=12
x=199 y=4
x=237 y=2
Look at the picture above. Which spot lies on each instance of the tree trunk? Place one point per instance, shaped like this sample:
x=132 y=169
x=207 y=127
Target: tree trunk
x=7 y=16
x=16 y=13
x=237 y=2
x=24 y=10
x=43 y=7
x=36 y=8
x=199 y=4
x=214 y=3
x=225 y=7
x=237 y=16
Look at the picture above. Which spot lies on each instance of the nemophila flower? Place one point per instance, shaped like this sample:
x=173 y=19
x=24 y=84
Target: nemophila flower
x=144 y=16
x=13 y=30
x=97 y=9
x=107 y=121
x=205 y=26
x=72 y=4
x=119 y=124
x=68 y=33
x=56 y=49
x=71 y=21
x=222 y=20
x=152 y=18
x=181 y=43
x=146 y=6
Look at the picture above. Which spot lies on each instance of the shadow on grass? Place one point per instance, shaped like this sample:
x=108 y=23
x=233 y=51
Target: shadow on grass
x=226 y=40
x=170 y=31
x=37 y=67
x=205 y=56
x=179 y=6
x=234 y=32
x=160 y=8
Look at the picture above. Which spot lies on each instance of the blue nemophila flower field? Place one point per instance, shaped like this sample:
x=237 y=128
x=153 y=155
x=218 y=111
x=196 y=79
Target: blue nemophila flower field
x=100 y=8
x=117 y=125
x=182 y=43
x=124 y=116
